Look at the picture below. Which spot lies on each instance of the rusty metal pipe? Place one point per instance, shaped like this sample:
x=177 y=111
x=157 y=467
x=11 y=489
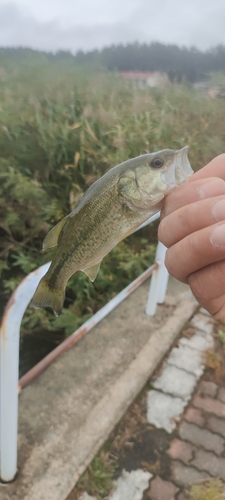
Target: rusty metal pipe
x=86 y=327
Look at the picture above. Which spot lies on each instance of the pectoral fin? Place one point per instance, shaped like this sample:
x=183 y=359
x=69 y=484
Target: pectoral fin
x=92 y=271
x=51 y=240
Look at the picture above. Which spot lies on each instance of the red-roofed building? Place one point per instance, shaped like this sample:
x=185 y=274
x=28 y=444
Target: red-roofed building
x=150 y=78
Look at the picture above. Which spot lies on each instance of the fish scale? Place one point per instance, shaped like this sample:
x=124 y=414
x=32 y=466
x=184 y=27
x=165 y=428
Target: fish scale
x=111 y=209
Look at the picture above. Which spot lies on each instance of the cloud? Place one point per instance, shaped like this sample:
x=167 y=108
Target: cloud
x=20 y=29
x=96 y=24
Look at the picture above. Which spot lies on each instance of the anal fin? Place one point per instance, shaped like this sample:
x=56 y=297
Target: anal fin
x=92 y=271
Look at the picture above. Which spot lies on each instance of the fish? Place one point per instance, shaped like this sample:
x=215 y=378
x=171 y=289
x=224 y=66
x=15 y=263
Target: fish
x=112 y=208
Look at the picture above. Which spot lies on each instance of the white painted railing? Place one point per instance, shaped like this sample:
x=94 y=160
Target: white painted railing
x=9 y=347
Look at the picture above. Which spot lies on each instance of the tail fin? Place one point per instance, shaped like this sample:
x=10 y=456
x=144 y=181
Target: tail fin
x=46 y=296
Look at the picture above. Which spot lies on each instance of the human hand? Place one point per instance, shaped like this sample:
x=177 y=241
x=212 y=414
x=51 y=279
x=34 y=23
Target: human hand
x=193 y=230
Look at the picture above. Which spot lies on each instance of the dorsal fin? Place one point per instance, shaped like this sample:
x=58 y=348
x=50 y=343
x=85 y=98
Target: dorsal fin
x=92 y=271
x=51 y=240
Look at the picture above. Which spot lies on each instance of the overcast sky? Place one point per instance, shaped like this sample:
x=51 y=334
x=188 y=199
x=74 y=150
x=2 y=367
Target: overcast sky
x=88 y=24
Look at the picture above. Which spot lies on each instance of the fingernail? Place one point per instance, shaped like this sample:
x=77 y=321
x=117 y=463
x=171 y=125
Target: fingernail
x=211 y=188
x=218 y=210
x=218 y=236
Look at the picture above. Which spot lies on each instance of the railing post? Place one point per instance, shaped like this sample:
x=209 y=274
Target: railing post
x=8 y=404
x=159 y=281
x=9 y=364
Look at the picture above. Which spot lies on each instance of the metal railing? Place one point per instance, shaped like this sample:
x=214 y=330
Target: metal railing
x=9 y=347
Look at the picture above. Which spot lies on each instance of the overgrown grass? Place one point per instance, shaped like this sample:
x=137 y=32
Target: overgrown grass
x=97 y=480
x=60 y=129
x=221 y=335
x=214 y=361
x=212 y=489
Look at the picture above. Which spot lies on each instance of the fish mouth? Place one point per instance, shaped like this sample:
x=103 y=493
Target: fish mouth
x=183 y=168
x=179 y=171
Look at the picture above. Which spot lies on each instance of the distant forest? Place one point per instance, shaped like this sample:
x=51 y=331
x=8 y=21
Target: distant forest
x=180 y=63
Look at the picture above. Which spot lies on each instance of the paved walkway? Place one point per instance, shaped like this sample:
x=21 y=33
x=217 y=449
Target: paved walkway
x=193 y=410
x=69 y=411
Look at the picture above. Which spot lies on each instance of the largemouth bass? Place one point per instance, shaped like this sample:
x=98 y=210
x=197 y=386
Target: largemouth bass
x=111 y=209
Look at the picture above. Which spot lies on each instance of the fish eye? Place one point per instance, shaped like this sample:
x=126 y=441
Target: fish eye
x=157 y=163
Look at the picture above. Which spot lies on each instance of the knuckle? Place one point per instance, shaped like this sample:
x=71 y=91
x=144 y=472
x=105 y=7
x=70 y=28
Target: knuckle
x=195 y=283
x=185 y=219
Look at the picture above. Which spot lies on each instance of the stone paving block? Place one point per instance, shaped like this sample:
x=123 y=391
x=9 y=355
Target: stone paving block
x=216 y=425
x=184 y=475
x=131 y=485
x=207 y=461
x=199 y=340
x=187 y=359
x=179 y=450
x=195 y=416
x=183 y=496
x=176 y=382
x=221 y=394
x=162 y=490
x=85 y=496
x=201 y=437
x=202 y=322
x=210 y=405
x=207 y=388
x=164 y=410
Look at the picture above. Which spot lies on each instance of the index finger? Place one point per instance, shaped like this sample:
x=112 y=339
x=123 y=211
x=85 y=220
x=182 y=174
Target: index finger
x=215 y=168
x=188 y=193
x=191 y=192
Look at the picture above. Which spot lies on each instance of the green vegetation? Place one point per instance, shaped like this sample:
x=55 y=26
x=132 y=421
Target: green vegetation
x=61 y=127
x=212 y=489
x=97 y=480
x=214 y=361
x=181 y=64
x=221 y=335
